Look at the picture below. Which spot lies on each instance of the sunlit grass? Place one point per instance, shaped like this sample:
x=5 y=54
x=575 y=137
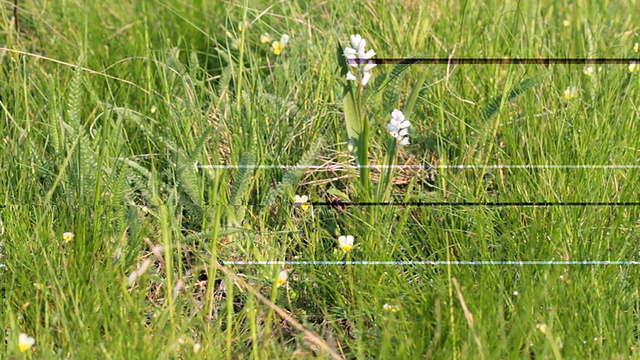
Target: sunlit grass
x=112 y=237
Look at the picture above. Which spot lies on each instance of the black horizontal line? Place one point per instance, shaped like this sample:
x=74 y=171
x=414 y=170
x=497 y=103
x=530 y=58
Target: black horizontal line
x=503 y=61
x=475 y=203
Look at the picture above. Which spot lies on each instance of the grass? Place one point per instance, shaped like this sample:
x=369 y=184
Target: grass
x=107 y=107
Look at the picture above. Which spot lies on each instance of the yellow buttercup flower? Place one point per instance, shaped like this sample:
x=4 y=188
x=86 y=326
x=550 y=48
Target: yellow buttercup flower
x=25 y=342
x=636 y=47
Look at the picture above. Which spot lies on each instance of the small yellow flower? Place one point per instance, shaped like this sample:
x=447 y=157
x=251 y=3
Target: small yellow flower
x=265 y=38
x=345 y=243
x=25 y=342
x=278 y=46
x=633 y=67
x=566 y=23
x=588 y=70
x=542 y=328
x=68 y=236
x=391 y=308
x=282 y=278
x=301 y=201
x=243 y=25
x=570 y=92
x=636 y=47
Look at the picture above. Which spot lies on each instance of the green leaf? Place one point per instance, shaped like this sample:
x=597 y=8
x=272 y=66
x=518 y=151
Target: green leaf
x=351 y=115
x=497 y=102
x=413 y=98
x=335 y=192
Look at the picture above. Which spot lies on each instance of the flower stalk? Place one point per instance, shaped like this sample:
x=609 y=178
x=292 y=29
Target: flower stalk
x=359 y=70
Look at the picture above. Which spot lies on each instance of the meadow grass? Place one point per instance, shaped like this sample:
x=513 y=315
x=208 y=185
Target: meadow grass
x=107 y=109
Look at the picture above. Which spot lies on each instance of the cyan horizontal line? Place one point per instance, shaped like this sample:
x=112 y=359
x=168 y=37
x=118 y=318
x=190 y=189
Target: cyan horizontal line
x=424 y=166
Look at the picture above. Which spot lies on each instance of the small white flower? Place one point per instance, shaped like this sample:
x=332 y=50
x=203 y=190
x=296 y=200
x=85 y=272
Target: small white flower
x=358 y=42
x=358 y=50
x=356 y=56
x=570 y=92
x=633 y=66
x=588 y=70
x=351 y=146
x=284 y=39
x=196 y=347
x=25 y=342
x=346 y=243
x=365 y=78
x=68 y=236
x=398 y=127
x=390 y=308
x=350 y=54
x=370 y=65
x=282 y=278
x=301 y=201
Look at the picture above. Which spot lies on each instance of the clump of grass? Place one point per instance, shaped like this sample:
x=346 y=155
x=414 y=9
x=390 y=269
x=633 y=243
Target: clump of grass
x=293 y=176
